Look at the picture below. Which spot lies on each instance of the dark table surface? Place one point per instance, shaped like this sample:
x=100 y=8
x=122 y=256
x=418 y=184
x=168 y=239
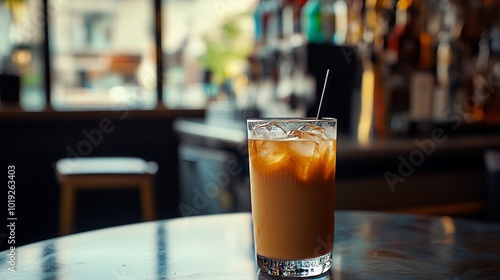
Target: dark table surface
x=368 y=245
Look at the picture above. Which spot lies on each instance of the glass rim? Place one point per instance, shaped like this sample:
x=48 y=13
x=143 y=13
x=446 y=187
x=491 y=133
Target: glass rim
x=292 y=120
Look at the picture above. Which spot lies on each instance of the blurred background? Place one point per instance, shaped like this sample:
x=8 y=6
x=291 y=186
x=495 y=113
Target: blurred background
x=415 y=87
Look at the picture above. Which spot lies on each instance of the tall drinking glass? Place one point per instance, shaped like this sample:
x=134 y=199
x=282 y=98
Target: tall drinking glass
x=292 y=178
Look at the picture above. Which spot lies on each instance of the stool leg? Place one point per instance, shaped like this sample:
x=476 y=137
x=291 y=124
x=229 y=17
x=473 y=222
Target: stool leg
x=147 y=200
x=66 y=209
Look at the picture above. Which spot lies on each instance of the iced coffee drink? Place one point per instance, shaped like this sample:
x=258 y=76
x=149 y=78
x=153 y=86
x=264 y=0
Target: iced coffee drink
x=292 y=178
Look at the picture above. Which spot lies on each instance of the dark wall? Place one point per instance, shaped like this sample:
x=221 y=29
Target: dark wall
x=34 y=143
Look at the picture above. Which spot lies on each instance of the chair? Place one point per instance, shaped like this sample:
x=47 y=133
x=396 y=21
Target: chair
x=103 y=173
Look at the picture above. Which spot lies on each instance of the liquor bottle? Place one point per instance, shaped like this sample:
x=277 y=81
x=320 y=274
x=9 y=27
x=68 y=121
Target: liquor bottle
x=442 y=97
x=396 y=29
x=311 y=22
x=298 y=5
x=402 y=56
x=288 y=19
x=422 y=83
x=450 y=60
x=381 y=99
x=274 y=25
x=258 y=18
x=373 y=110
x=327 y=20
x=408 y=45
x=490 y=94
x=422 y=80
x=492 y=106
x=341 y=22
x=355 y=26
x=264 y=17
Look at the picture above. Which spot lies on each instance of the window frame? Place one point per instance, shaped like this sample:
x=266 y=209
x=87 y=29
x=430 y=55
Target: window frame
x=47 y=61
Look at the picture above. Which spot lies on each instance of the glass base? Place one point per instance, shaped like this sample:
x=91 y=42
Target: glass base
x=296 y=268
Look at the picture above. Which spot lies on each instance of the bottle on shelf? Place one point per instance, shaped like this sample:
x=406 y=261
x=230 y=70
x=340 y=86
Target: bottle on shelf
x=311 y=21
x=415 y=54
x=341 y=22
x=373 y=113
x=259 y=28
x=288 y=19
x=487 y=81
x=327 y=20
x=355 y=22
x=450 y=61
x=402 y=54
x=422 y=79
x=274 y=24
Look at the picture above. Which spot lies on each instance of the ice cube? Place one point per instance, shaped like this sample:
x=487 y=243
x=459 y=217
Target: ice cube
x=305 y=148
x=270 y=130
x=271 y=152
x=305 y=156
x=326 y=149
x=331 y=132
x=304 y=135
x=294 y=134
x=313 y=129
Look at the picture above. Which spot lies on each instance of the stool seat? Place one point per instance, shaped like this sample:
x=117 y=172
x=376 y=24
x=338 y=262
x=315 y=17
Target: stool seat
x=103 y=173
x=108 y=165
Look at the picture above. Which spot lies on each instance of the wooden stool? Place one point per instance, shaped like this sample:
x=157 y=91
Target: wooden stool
x=103 y=173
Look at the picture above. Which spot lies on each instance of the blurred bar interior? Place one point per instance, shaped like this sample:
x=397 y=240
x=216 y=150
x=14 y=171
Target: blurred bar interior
x=416 y=90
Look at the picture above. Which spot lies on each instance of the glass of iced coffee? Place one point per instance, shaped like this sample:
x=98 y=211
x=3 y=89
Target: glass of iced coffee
x=292 y=179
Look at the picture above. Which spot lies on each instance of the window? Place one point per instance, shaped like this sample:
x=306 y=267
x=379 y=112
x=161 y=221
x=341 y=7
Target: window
x=197 y=50
x=20 y=48
x=103 y=54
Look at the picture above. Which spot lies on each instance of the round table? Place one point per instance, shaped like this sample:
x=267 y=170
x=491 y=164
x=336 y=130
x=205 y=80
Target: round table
x=368 y=245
